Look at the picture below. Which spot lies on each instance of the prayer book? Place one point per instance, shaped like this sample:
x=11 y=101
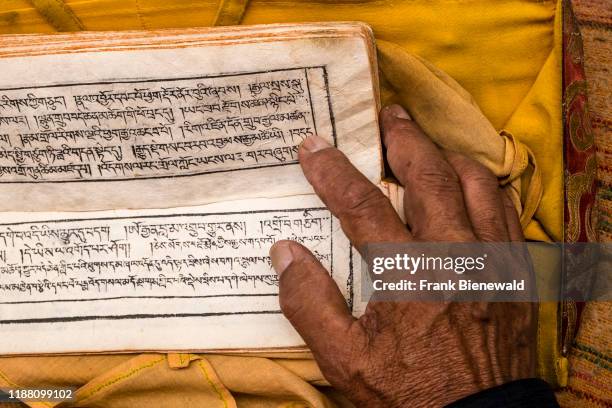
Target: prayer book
x=144 y=176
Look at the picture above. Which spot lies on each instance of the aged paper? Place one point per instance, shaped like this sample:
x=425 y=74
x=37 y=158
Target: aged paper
x=156 y=129
x=181 y=279
x=94 y=129
x=145 y=176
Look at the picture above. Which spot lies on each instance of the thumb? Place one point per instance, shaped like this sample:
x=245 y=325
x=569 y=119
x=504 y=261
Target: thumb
x=311 y=300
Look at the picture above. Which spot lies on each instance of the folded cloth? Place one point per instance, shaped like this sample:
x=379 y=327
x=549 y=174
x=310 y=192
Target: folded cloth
x=449 y=115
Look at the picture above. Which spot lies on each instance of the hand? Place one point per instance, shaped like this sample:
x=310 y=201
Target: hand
x=406 y=354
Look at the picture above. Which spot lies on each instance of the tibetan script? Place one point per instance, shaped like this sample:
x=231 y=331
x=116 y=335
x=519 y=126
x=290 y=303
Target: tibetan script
x=156 y=128
x=199 y=255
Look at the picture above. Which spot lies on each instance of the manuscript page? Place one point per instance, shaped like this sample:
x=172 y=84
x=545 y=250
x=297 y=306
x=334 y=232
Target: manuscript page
x=145 y=176
x=100 y=121
x=196 y=278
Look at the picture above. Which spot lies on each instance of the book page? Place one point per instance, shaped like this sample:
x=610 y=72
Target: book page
x=196 y=278
x=145 y=176
x=178 y=124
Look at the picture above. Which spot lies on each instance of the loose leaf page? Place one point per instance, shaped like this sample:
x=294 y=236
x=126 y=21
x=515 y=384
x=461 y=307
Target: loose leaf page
x=196 y=278
x=137 y=120
x=163 y=166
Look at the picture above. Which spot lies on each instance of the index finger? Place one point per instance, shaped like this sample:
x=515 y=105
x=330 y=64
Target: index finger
x=433 y=199
x=365 y=214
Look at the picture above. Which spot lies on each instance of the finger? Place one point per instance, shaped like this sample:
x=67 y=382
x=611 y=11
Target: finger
x=433 y=200
x=515 y=231
x=311 y=300
x=482 y=197
x=365 y=214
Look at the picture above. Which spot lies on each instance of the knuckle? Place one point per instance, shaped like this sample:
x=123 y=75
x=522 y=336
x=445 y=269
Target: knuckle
x=473 y=171
x=437 y=226
x=439 y=179
x=293 y=284
x=489 y=235
x=290 y=308
x=480 y=175
x=465 y=163
x=488 y=215
x=362 y=198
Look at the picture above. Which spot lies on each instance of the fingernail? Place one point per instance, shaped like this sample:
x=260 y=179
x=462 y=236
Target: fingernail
x=281 y=256
x=399 y=112
x=315 y=143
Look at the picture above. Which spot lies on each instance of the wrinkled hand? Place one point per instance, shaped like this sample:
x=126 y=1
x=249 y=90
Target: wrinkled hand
x=406 y=354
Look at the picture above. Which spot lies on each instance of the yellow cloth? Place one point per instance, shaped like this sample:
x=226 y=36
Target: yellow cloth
x=178 y=380
x=506 y=54
x=429 y=94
